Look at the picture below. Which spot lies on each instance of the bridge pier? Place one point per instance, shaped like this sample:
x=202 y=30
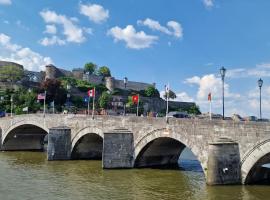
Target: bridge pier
x=223 y=167
x=118 y=149
x=59 y=143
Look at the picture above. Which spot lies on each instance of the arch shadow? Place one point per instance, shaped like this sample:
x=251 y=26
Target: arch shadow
x=23 y=137
x=160 y=149
x=252 y=164
x=87 y=144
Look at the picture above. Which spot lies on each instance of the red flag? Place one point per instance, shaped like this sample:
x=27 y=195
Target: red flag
x=91 y=93
x=209 y=96
x=135 y=99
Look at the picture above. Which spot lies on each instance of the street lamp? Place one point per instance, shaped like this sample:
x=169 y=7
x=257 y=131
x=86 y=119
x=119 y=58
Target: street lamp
x=222 y=73
x=68 y=95
x=11 y=105
x=260 y=83
x=125 y=83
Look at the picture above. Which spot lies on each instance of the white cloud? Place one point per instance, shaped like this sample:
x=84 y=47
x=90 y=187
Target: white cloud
x=50 y=29
x=94 y=12
x=210 y=83
x=208 y=3
x=132 y=38
x=173 y=28
x=245 y=104
x=154 y=25
x=5 y=2
x=183 y=97
x=52 y=41
x=177 y=28
x=72 y=32
x=260 y=70
x=23 y=55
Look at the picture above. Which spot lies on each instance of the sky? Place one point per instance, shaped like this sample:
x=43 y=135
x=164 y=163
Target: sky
x=182 y=43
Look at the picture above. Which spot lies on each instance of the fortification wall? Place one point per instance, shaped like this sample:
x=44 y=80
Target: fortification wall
x=93 y=78
x=158 y=104
x=112 y=83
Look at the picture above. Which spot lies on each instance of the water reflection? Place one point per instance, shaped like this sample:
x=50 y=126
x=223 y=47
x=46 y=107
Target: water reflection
x=27 y=175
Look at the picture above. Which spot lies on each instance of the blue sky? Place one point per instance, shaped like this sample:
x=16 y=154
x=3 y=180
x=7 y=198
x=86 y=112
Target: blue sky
x=183 y=42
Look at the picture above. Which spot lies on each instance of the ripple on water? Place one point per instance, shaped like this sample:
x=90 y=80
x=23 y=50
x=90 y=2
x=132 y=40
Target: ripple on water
x=28 y=175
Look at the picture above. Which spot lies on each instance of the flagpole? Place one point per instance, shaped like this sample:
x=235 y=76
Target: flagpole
x=93 y=110
x=88 y=108
x=44 y=104
x=138 y=105
x=210 y=109
x=167 y=90
x=11 y=106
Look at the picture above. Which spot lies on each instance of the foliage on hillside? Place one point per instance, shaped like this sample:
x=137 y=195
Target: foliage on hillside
x=11 y=73
x=21 y=99
x=82 y=85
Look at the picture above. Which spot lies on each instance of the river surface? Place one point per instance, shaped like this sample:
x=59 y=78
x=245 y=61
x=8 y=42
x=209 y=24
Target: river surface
x=28 y=175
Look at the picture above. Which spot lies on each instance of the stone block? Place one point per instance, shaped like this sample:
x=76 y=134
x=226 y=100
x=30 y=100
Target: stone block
x=118 y=149
x=59 y=143
x=223 y=167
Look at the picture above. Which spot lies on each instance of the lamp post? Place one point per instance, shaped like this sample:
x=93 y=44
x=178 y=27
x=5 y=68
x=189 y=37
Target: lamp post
x=11 y=105
x=222 y=73
x=260 y=83
x=125 y=83
x=68 y=96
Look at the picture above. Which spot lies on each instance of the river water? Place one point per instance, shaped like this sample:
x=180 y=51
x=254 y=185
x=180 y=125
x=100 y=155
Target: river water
x=28 y=175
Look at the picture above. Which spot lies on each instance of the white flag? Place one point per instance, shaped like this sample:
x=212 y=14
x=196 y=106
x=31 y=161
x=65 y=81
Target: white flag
x=25 y=109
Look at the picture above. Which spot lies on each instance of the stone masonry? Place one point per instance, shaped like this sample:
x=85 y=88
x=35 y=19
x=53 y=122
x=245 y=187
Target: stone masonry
x=250 y=141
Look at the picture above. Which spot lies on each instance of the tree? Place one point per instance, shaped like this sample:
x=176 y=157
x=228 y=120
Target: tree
x=104 y=100
x=21 y=99
x=151 y=91
x=194 y=110
x=11 y=73
x=55 y=91
x=171 y=95
x=90 y=67
x=104 y=71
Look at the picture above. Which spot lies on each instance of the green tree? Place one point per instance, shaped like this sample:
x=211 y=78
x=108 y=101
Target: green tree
x=104 y=100
x=104 y=71
x=194 y=110
x=90 y=67
x=11 y=73
x=171 y=95
x=151 y=91
x=21 y=99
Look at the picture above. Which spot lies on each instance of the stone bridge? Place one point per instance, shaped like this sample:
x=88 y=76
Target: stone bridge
x=229 y=152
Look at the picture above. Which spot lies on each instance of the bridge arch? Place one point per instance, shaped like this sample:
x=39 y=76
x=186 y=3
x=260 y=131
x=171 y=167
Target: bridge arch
x=21 y=123
x=251 y=164
x=87 y=144
x=168 y=141
x=24 y=135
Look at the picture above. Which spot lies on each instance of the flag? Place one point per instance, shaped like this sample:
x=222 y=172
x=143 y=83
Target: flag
x=25 y=109
x=41 y=96
x=209 y=96
x=91 y=93
x=135 y=99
